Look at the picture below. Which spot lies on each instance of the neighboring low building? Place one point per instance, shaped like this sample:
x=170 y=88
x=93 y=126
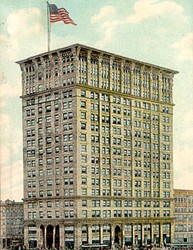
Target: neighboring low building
x=11 y=229
x=183 y=216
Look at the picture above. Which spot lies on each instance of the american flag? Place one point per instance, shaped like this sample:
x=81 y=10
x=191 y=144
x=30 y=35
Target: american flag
x=59 y=14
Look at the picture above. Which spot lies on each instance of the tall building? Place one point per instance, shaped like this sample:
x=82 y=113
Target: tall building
x=11 y=224
x=183 y=217
x=98 y=153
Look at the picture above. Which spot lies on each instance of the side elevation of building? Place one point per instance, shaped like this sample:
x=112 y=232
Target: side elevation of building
x=12 y=224
x=98 y=152
x=183 y=216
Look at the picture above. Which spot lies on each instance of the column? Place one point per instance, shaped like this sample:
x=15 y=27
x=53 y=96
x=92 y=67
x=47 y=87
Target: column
x=142 y=234
x=51 y=69
x=172 y=232
x=151 y=84
x=133 y=234
x=110 y=72
x=88 y=66
x=132 y=76
x=45 y=234
x=60 y=73
x=151 y=233
x=35 y=84
x=171 y=88
x=23 y=70
x=89 y=234
x=54 y=236
x=112 y=235
x=43 y=71
x=26 y=242
x=100 y=70
x=77 y=236
x=101 y=234
x=122 y=76
x=61 y=239
x=160 y=86
x=132 y=138
x=161 y=234
x=123 y=236
x=38 y=236
x=142 y=69
x=76 y=53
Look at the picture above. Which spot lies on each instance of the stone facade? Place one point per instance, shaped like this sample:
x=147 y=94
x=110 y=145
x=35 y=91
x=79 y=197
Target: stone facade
x=98 y=153
x=11 y=233
x=183 y=216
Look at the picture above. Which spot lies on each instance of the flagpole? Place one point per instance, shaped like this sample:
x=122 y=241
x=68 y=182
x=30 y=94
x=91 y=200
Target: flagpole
x=48 y=24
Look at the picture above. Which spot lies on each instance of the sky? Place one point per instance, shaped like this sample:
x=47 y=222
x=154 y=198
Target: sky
x=154 y=31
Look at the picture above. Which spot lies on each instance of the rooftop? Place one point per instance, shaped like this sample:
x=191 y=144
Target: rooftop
x=97 y=51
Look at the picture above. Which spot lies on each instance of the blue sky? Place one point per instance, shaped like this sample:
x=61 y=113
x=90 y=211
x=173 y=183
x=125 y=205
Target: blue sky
x=155 y=31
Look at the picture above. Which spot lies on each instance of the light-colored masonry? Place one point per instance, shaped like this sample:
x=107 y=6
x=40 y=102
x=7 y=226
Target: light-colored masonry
x=97 y=150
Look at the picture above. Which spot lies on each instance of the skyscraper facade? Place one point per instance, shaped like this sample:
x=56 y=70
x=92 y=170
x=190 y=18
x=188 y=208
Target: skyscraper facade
x=97 y=136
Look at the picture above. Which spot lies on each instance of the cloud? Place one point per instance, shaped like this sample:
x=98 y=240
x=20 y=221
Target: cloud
x=183 y=136
x=2 y=103
x=108 y=28
x=184 y=48
x=12 y=181
x=106 y=18
x=183 y=158
x=5 y=120
x=183 y=167
x=145 y=9
x=10 y=139
x=188 y=117
x=103 y=13
x=24 y=27
x=109 y=20
x=24 y=22
x=7 y=89
x=183 y=151
x=5 y=147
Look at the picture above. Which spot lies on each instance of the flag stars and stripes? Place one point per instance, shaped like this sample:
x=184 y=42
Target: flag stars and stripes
x=59 y=14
